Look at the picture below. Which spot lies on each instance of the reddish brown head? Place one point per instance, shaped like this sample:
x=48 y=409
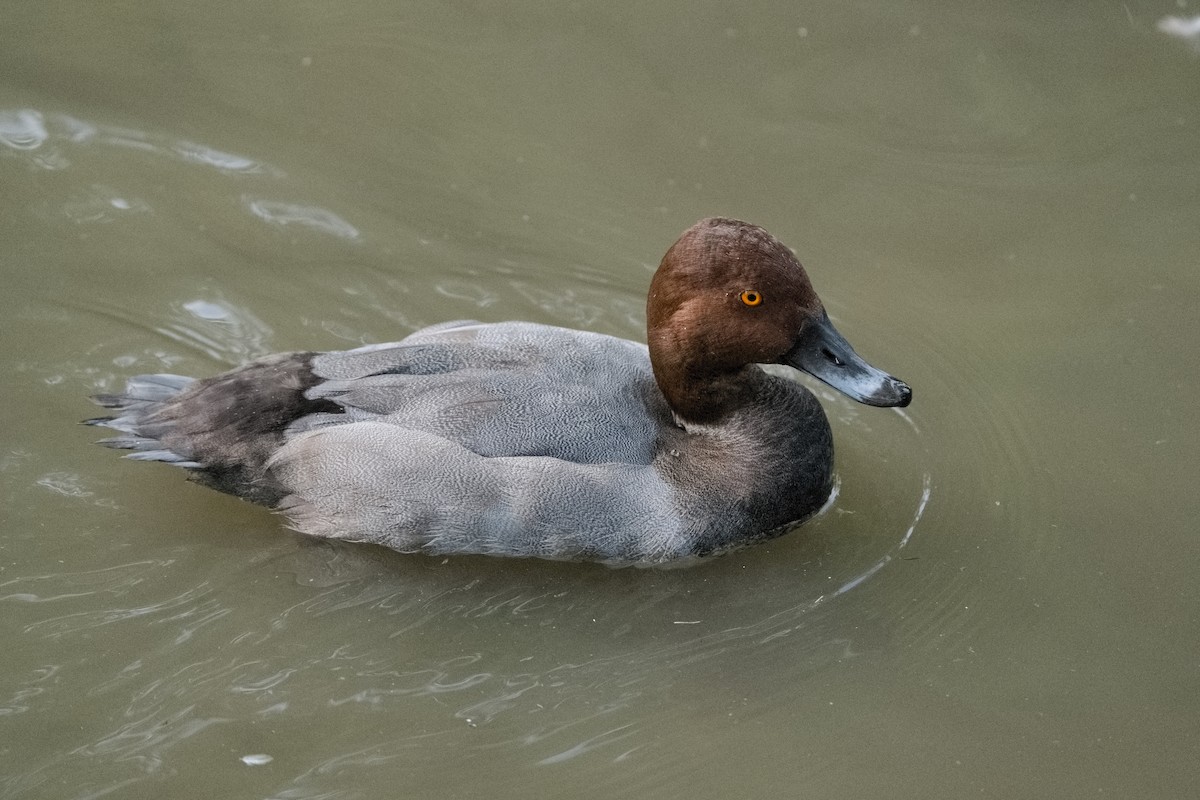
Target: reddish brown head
x=728 y=294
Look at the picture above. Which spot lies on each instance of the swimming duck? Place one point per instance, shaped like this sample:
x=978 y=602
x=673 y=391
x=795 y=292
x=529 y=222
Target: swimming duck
x=520 y=439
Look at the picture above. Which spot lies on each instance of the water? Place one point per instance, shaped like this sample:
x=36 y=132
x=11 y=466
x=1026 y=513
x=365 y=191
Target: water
x=998 y=203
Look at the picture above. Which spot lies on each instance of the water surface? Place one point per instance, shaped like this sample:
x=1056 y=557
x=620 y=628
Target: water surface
x=997 y=202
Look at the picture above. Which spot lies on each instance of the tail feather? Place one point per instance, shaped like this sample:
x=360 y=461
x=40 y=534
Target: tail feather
x=140 y=443
x=221 y=429
x=108 y=401
x=159 y=386
x=165 y=456
x=143 y=396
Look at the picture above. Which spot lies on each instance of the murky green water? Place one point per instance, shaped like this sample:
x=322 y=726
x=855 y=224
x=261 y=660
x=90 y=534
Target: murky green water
x=998 y=201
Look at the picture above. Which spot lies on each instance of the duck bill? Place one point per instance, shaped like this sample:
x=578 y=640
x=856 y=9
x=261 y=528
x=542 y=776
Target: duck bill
x=826 y=355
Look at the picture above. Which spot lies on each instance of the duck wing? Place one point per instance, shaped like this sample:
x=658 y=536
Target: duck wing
x=507 y=389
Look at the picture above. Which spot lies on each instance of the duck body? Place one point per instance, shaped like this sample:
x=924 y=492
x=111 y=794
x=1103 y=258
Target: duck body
x=519 y=439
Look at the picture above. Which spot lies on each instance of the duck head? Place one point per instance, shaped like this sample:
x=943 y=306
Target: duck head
x=727 y=295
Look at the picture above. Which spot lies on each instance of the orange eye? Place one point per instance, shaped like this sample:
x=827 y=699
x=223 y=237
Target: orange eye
x=751 y=297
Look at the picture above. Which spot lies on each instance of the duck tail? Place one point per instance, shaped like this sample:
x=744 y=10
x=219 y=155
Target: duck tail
x=138 y=418
x=222 y=429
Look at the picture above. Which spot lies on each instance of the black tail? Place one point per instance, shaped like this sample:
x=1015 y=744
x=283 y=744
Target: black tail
x=139 y=405
x=222 y=429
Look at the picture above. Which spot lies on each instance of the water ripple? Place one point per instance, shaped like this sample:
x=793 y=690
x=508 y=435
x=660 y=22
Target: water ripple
x=58 y=627
x=22 y=129
x=144 y=740
x=117 y=580
x=219 y=329
x=46 y=141
x=283 y=214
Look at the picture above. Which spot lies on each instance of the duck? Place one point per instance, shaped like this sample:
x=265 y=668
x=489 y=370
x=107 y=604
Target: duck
x=529 y=440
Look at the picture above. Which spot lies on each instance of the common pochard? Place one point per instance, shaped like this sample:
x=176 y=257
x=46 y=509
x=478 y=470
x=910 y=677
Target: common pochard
x=521 y=439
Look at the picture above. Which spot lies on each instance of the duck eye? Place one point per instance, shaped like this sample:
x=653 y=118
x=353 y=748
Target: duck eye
x=751 y=297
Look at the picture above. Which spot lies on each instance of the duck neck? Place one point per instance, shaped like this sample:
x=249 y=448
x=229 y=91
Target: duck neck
x=699 y=393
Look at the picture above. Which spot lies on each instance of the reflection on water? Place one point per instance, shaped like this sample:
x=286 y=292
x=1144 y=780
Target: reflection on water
x=101 y=203
x=1185 y=28
x=47 y=140
x=217 y=328
x=221 y=330
x=283 y=214
x=22 y=129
